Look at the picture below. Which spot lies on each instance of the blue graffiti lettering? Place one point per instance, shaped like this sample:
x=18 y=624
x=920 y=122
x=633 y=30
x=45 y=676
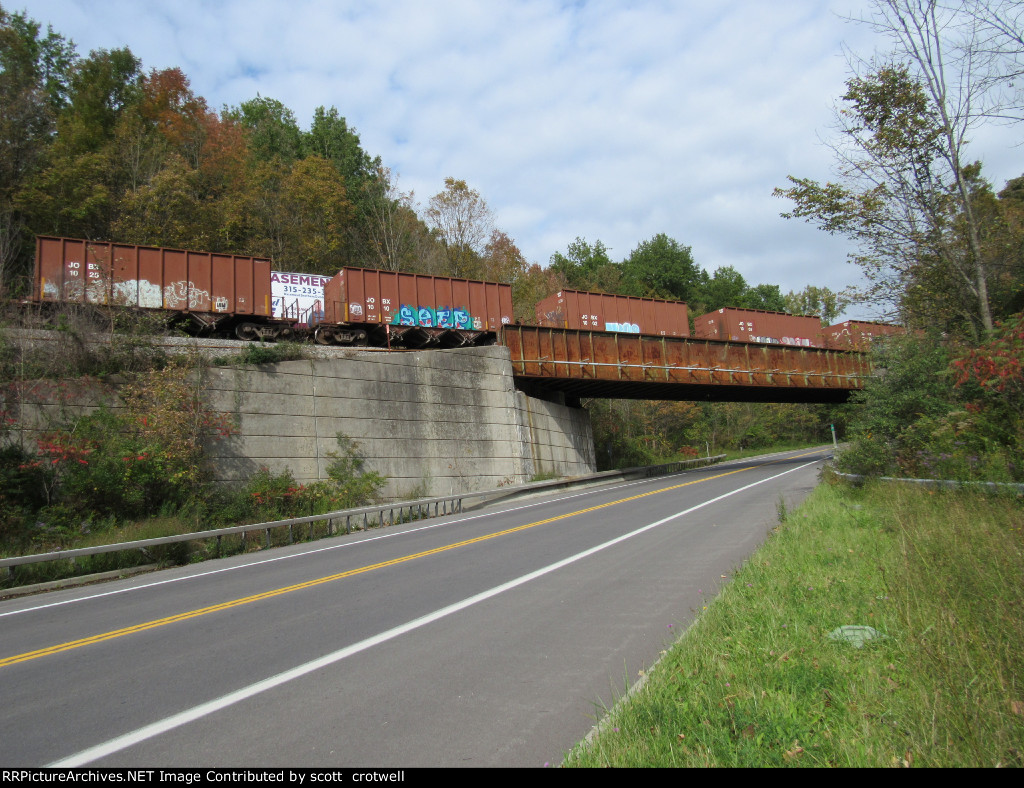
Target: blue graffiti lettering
x=441 y=317
x=628 y=328
x=405 y=317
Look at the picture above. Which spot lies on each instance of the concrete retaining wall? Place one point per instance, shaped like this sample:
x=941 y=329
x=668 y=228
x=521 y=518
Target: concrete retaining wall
x=432 y=422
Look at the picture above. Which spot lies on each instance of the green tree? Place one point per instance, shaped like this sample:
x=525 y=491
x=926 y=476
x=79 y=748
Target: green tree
x=905 y=193
x=910 y=384
x=331 y=138
x=272 y=128
x=34 y=76
x=75 y=189
x=103 y=86
x=169 y=210
x=533 y=286
x=71 y=196
x=725 y=288
x=1004 y=246
x=813 y=300
x=317 y=217
x=660 y=268
x=766 y=297
x=587 y=267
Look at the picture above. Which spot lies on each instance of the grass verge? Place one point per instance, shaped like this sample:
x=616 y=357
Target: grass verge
x=758 y=680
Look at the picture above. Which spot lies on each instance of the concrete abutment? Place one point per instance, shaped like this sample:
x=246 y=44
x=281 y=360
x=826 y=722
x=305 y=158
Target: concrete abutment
x=433 y=422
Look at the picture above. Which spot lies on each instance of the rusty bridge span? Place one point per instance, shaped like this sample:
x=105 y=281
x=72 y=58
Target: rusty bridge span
x=612 y=365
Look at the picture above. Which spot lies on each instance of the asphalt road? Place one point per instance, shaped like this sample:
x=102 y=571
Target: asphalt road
x=493 y=638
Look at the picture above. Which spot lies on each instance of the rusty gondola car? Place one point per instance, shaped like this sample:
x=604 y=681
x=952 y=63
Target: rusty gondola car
x=211 y=292
x=858 y=334
x=576 y=309
x=412 y=310
x=757 y=325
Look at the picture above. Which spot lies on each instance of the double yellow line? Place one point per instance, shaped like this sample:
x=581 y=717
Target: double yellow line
x=160 y=622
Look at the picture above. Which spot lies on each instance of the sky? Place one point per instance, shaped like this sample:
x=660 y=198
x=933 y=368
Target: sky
x=610 y=120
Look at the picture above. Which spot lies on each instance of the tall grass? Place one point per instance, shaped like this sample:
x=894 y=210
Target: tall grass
x=758 y=681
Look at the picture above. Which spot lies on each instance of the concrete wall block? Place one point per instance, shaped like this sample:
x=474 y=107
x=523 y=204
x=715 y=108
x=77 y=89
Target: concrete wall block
x=362 y=390
x=270 y=405
x=461 y=396
x=250 y=445
x=383 y=408
x=239 y=470
x=337 y=370
x=396 y=366
x=366 y=427
x=443 y=376
x=280 y=428
x=294 y=381
x=474 y=361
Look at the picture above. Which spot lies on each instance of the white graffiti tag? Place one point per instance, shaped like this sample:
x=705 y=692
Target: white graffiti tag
x=178 y=293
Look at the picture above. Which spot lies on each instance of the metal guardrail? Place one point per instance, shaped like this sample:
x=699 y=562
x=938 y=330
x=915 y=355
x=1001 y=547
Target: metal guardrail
x=363 y=518
x=948 y=484
x=360 y=519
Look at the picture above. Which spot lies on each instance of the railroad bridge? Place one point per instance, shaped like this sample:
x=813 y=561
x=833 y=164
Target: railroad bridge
x=602 y=364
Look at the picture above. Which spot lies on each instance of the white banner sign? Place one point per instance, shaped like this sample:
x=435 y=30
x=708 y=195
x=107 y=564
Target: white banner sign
x=297 y=296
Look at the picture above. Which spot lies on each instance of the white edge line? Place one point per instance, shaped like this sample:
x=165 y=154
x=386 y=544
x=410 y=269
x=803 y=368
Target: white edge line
x=119 y=743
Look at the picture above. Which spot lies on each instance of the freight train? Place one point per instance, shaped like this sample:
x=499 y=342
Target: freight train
x=232 y=295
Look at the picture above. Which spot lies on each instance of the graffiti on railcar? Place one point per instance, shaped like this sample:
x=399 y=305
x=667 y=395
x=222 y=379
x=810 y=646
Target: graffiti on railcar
x=436 y=317
x=624 y=328
x=176 y=294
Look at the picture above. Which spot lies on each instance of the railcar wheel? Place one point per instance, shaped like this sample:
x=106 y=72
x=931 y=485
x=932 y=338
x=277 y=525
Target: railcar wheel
x=246 y=331
x=324 y=336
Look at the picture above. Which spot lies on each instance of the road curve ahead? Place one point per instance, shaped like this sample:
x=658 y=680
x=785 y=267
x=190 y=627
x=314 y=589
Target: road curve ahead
x=492 y=638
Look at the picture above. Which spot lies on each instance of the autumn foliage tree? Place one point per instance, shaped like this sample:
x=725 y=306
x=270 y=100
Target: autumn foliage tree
x=463 y=222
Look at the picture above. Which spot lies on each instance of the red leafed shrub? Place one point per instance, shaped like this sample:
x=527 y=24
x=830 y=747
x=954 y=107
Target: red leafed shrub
x=998 y=364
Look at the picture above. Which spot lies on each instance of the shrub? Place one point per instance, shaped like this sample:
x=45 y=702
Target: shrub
x=268 y=496
x=350 y=484
x=260 y=353
x=128 y=462
x=942 y=415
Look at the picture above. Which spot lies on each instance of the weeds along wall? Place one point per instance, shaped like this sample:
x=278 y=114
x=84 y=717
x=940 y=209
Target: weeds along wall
x=433 y=422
